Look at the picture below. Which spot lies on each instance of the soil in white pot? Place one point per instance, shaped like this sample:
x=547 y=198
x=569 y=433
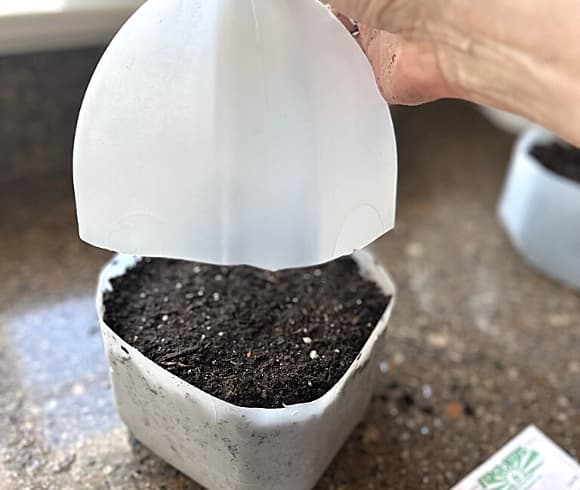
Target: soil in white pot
x=560 y=158
x=250 y=337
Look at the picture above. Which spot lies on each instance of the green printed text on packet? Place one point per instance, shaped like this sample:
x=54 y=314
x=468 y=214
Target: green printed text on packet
x=530 y=461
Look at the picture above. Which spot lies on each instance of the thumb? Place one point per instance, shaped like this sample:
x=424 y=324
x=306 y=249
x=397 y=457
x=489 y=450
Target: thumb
x=407 y=70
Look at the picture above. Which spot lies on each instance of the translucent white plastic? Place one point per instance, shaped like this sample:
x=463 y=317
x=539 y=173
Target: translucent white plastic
x=226 y=447
x=234 y=131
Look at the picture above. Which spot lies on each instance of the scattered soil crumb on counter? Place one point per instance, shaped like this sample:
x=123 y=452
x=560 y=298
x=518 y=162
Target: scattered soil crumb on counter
x=560 y=158
x=250 y=337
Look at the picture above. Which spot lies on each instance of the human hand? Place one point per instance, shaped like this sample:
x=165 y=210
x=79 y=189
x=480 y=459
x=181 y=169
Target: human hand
x=523 y=57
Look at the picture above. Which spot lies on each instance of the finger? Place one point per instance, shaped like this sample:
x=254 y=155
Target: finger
x=351 y=25
x=389 y=15
x=407 y=71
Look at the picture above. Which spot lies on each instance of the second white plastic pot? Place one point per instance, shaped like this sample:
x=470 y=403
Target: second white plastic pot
x=223 y=446
x=541 y=212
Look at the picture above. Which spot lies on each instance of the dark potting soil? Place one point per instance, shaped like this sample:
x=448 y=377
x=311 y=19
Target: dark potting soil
x=560 y=158
x=250 y=337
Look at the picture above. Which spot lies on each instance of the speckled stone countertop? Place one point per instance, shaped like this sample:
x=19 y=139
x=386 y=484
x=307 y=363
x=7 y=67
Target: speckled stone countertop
x=480 y=345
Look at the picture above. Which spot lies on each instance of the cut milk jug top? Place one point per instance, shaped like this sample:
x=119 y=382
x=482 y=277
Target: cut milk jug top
x=234 y=132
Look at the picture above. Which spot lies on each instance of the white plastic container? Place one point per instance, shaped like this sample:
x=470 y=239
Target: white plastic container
x=222 y=446
x=541 y=212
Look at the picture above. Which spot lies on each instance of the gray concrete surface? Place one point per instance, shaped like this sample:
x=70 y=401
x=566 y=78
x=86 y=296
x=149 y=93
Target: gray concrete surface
x=480 y=345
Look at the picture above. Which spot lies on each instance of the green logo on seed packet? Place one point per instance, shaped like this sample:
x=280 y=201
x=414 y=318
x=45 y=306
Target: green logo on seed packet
x=515 y=472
